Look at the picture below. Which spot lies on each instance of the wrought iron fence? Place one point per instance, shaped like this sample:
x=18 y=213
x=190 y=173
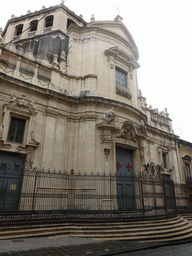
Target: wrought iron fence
x=39 y=190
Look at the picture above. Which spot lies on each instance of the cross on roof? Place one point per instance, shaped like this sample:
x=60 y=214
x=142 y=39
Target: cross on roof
x=63 y=1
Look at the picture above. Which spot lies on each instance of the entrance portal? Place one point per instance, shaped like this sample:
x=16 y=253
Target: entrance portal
x=169 y=192
x=11 y=171
x=125 y=179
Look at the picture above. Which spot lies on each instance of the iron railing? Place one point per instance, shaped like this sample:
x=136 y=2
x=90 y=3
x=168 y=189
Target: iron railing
x=32 y=191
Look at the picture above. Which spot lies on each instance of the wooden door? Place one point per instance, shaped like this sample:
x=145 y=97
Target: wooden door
x=125 y=179
x=169 y=192
x=11 y=172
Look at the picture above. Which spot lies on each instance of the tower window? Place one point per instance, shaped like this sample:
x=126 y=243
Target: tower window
x=49 y=21
x=33 y=25
x=18 y=29
x=16 y=130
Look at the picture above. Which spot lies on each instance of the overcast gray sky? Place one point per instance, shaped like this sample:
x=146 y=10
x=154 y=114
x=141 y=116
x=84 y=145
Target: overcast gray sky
x=162 y=32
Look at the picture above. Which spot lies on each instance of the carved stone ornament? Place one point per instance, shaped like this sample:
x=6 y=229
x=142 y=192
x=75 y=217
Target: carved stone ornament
x=63 y=62
x=22 y=104
x=128 y=133
x=27 y=110
x=165 y=145
x=122 y=56
x=108 y=116
x=1 y=39
x=55 y=63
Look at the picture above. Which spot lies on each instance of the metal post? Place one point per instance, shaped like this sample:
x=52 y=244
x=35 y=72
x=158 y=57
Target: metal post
x=33 y=201
x=155 y=202
x=142 y=199
x=71 y=192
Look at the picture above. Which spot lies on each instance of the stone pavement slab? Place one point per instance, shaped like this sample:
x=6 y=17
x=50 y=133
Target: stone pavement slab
x=68 y=246
x=72 y=246
x=40 y=242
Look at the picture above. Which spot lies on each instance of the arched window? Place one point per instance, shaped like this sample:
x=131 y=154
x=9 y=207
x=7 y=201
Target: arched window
x=33 y=25
x=49 y=21
x=18 y=29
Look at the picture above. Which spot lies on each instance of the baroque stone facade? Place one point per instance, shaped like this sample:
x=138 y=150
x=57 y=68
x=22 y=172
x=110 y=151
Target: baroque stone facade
x=74 y=85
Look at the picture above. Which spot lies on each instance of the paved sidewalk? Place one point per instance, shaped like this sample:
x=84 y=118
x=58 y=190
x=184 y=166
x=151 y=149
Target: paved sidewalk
x=71 y=246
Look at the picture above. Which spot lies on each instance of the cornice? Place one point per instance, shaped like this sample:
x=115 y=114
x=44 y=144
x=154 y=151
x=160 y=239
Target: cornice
x=110 y=33
x=37 y=37
x=75 y=100
x=187 y=143
x=149 y=127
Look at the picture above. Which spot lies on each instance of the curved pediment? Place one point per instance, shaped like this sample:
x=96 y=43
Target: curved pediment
x=122 y=56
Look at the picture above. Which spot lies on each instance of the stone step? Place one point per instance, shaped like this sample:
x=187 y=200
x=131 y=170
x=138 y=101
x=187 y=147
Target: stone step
x=117 y=226
x=132 y=226
x=187 y=216
x=140 y=236
x=132 y=233
x=146 y=224
x=170 y=229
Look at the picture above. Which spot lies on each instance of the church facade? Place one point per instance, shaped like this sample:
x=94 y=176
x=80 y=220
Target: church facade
x=70 y=101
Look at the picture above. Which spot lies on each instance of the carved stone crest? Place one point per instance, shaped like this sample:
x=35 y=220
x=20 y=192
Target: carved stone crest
x=128 y=132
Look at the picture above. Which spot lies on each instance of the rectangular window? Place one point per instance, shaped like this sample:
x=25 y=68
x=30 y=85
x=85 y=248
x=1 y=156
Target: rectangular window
x=187 y=172
x=16 y=130
x=164 y=160
x=121 y=77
